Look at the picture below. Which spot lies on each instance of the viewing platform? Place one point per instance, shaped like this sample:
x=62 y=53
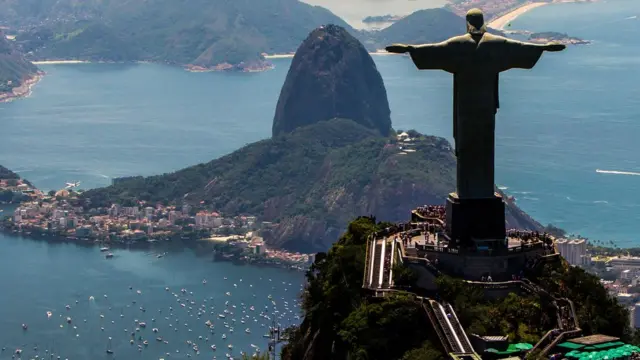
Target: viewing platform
x=423 y=246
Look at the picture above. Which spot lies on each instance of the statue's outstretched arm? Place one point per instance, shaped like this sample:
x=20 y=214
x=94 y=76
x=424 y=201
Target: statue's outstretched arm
x=550 y=46
x=403 y=48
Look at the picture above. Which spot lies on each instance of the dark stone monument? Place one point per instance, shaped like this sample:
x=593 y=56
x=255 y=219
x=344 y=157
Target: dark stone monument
x=475 y=212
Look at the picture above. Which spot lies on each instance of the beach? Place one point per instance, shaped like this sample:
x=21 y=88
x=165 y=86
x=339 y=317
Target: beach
x=59 y=62
x=290 y=56
x=501 y=22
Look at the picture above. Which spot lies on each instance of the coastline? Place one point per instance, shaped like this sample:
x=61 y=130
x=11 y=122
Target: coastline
x=59 y=62
x=290 y=56
x=24 y=90
x=502 y=21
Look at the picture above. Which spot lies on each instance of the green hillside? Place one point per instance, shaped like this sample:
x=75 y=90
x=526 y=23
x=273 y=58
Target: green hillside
x=14 y=69
x=199 y=32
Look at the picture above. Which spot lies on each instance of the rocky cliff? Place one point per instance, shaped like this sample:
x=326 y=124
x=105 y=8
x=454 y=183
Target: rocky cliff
x=332 y=76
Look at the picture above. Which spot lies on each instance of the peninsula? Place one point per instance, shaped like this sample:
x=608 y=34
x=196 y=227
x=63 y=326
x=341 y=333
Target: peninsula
x=550 y=36
x=17 y=74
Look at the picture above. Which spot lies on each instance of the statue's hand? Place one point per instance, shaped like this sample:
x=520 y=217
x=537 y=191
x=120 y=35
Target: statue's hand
x=554 y=47
x=399 y=48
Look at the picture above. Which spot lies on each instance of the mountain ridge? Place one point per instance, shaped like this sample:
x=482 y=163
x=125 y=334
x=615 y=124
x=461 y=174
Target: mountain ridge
x=203 y=35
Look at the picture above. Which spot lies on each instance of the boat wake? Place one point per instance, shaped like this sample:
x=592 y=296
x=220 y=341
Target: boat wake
x=615 y=172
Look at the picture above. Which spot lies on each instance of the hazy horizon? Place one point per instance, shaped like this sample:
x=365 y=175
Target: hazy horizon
x=353 y=11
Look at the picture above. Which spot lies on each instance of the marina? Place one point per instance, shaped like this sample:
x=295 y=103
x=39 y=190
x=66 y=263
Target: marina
x=138 y=306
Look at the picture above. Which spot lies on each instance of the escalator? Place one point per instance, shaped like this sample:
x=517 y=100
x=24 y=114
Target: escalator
x=375 y=266
x=387 y=266
x=459 y=331
x=445 y=326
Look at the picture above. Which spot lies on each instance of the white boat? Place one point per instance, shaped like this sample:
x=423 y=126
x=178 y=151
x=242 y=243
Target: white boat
x=247 y=331
x=109 y=255
x=104 y=248
x=109 y=351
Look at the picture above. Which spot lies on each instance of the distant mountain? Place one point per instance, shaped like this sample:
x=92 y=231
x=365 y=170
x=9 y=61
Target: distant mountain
x=14 y=68
x=199 y=32
x=423 y=26
x=332 y=76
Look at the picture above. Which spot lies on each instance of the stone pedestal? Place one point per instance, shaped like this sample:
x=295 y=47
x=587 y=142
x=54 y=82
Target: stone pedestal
x=475 y=219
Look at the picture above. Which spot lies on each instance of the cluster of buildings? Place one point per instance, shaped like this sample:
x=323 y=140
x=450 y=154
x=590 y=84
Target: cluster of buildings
x=620 y=275
x=12 y=190
x=491 y=8
x=61 y=215
x=52 y=215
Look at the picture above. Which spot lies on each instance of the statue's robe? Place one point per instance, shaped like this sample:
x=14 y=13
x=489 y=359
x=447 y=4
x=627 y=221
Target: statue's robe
x=475 y=62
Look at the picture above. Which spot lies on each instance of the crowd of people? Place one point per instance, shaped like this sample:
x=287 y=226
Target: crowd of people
x=432 y=211
x=528 y=235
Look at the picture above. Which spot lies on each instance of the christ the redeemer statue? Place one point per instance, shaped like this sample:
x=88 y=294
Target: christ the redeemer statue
x=475 y=59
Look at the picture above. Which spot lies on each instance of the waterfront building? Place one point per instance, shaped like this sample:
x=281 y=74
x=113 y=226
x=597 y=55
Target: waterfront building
x=625 y=262
x=83 y=231
x=205 y=220
x=148 y=212
x=574 y=251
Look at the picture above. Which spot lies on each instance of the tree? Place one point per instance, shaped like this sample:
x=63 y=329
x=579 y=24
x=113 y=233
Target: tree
x=426 y=352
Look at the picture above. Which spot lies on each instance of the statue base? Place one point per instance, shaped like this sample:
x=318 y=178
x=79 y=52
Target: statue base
x=475 y=220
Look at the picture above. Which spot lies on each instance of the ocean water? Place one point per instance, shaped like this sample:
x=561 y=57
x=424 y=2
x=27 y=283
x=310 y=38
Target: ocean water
x=40 y=277
x=574 y=113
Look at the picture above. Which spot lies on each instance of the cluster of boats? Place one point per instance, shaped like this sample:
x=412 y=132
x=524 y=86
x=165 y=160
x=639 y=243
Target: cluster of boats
x=184 y=319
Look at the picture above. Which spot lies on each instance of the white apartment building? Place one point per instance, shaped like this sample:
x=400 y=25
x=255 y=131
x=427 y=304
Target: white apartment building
x=207 y=220
x=574 y=251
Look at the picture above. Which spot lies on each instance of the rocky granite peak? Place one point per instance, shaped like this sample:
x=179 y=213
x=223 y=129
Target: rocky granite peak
x=332 y=76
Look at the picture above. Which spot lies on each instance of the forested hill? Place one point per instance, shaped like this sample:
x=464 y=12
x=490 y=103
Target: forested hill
x=199 y=32
x=14 y=69
x=204 y=33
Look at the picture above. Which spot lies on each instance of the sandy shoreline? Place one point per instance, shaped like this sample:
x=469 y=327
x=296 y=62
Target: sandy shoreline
x=289 y=56
x=501 y=22
x=21 y=91
x=59 y=62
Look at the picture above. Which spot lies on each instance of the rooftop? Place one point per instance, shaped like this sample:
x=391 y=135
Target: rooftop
x=594 y=339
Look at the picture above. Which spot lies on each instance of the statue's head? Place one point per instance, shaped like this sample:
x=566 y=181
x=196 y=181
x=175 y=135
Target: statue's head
x=475 y=22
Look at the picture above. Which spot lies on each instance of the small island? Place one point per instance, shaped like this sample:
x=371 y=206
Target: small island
x=548 y=36
x=382 y=19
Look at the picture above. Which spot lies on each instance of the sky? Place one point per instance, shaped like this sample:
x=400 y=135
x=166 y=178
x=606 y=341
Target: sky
x=353 y=11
